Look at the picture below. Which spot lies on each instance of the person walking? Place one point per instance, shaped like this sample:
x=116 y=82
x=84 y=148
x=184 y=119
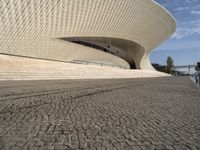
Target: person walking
x=197 y=74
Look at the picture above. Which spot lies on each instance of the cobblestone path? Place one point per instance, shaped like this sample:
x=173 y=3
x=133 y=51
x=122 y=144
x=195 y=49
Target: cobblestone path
x=125 y=114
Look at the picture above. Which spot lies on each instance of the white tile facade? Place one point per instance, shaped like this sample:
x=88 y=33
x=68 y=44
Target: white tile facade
x=31 y=27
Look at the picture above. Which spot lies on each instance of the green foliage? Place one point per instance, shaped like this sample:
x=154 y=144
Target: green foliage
x=170 y=65
x=159 y=67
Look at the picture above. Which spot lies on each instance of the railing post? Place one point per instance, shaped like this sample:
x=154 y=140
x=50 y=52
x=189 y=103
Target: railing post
x=189 y=70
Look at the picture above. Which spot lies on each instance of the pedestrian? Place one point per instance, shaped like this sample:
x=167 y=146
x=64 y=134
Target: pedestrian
x=197 y=74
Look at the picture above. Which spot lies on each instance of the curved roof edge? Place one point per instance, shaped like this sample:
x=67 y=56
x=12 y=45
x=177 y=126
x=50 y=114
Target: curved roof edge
x=167 y=11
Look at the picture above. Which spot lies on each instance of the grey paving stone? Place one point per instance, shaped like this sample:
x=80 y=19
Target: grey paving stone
x=151 y=113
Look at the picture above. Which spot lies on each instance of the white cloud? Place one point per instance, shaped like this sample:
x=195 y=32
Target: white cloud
x=195 y=12
x=183 y=32
x=187 y=14
x=185 y=29
x=197 y=6
x=179 y=45
x=182 y=8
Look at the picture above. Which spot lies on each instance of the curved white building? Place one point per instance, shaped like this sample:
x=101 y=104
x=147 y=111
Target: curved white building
x=110 y=32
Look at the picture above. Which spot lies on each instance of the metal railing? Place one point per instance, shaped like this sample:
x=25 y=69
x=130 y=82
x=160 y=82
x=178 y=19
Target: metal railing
x=185 y=69
x=98 y=64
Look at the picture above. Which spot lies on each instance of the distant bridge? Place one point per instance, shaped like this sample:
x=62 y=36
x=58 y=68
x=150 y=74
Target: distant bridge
x=189 y=67
x=186 y=66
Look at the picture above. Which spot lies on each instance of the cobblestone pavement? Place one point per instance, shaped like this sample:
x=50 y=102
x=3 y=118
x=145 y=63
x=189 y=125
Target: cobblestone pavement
x=125 y=114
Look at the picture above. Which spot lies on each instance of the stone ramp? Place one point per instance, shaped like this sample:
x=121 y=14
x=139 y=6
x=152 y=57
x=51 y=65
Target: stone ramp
x=20 y=68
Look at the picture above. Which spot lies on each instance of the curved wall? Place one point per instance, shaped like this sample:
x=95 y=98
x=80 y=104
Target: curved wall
x=33 y=28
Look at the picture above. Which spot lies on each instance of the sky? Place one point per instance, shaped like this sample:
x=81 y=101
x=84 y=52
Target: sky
x=184 y=45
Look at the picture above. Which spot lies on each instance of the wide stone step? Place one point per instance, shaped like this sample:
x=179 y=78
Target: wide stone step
x=18 y=68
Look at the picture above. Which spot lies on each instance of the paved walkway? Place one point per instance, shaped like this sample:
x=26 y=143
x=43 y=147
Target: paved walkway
x=197 y=84
x=125 y=114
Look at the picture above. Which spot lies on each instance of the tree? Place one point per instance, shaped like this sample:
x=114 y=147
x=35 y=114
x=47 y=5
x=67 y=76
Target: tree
x=170 y=65
x=158 y=67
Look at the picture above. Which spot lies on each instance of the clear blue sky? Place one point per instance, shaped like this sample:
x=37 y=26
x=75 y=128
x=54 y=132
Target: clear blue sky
x=184 y=45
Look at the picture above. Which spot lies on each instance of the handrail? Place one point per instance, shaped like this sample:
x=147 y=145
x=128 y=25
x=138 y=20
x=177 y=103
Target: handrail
x=98 y=63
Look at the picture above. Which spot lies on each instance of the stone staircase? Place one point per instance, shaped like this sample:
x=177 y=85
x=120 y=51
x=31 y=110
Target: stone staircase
x=20 y=68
